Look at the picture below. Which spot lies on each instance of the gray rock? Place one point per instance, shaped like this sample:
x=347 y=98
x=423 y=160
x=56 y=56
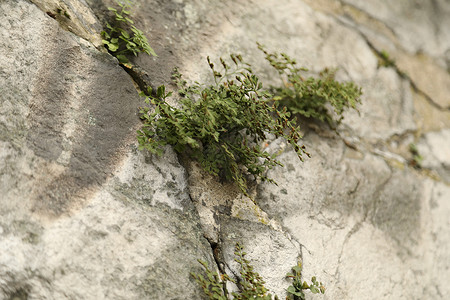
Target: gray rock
x=74 y=16
x=418 y=25
x=85 y=215
x=58 y=118
x=434 y=149
x=270 y=251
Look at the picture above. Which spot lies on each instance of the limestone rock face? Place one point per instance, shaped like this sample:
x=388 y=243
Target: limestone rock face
x=85 y=215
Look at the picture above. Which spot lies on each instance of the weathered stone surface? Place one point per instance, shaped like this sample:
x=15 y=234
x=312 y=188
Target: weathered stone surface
x=434 y=149
x=84 y=215
x=71 y=227
x=433 y=256
x=391 y=114
x=428 y=117
x=425 y=62
x=268 y=249
x=113 y=248
x=74 y=16
x=418 y=25
x=431 y=79
x=61 y=129
x=354 y=226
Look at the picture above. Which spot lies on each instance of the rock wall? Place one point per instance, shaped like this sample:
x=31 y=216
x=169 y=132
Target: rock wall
x=85 y=215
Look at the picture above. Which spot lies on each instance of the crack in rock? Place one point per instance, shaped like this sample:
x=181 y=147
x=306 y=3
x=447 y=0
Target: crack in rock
x=399 y=72
x=74 y=16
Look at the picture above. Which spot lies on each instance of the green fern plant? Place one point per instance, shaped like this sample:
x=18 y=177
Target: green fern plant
x=416 y=159
x=297 y=288
x=251 y=284
x=385 y=60
x=213 y=285
x=221 y=125
x=122 y=42
x=311 y=97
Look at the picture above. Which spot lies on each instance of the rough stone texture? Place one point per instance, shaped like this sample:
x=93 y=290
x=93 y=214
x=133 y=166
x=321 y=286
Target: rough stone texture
x=265 y=248
x=84 y=215
x=59 y=132
x=74 y=16
x=434 y=148
x=418 y=25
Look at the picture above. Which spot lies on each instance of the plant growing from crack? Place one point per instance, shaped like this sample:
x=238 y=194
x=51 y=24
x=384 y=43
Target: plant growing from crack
x=297 y=288
x=385 y=60
x=311 y=97
x=124 y=38
x=220 y=125
x=416 y=157
x=223 y=124
x=250 y=283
